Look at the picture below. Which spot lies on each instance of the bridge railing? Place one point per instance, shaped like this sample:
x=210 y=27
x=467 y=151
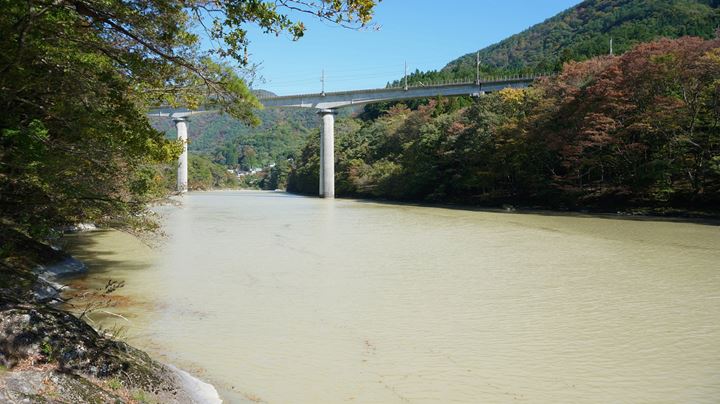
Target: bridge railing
x=483 y=80
x=467 y=81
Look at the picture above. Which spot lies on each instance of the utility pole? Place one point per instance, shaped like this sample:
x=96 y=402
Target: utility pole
x=477 y=68
x=406 y=86
x=322 y=81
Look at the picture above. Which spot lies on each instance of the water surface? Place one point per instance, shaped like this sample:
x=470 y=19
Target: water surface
x=286 y=299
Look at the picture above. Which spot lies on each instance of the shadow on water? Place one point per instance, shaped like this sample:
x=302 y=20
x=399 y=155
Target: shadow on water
x=708 y=221
x=83 y=246
x=233 y=193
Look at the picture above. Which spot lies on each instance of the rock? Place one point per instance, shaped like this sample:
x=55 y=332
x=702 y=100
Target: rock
x=56 y=336
x=22 y=386
x=199 y=391
x=74 y=360
x=47 y=291
x=31 y=386
x=22 y=253
x=80 y=227
x=55 y=357
x=48 y=263
x=68 y=266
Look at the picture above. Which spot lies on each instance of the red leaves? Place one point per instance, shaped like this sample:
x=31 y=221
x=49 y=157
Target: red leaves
x=456 y=128
x=614 y=118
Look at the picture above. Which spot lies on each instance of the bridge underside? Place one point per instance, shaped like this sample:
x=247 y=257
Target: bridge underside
x=327 y=105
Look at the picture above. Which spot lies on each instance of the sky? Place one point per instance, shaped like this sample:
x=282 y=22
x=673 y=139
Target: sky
x=427 y=34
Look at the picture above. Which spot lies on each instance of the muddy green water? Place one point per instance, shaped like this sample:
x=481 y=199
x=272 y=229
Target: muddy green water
x=285 y=299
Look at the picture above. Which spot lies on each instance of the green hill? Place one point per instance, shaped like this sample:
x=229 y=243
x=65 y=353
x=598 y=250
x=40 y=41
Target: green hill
x=584 y=31
x=610 y=134
x=579 y=33
x=230 y=142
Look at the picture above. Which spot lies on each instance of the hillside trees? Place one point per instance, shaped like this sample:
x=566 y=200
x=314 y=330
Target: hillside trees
x=641 y=129
x=76 y=77
x=643 y=125
x=281 y=132
x=583 y=32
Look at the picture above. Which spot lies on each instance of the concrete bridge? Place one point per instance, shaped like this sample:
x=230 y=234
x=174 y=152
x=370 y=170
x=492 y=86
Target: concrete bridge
x=327 y=105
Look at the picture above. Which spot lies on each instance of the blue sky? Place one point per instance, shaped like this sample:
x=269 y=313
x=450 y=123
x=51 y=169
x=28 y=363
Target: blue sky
x=425 y=33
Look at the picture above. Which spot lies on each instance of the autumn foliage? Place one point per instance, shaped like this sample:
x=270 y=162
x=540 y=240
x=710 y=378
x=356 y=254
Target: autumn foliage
x=640 y=128
x=637 y=130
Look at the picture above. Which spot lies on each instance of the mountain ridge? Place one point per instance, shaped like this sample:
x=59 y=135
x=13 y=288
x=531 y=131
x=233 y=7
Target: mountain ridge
x=584 y=31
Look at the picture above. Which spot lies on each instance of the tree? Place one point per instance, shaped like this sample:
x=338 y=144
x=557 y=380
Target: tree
x=642 y=127
x=76 y=77
x=637 y=130
x=277 y=177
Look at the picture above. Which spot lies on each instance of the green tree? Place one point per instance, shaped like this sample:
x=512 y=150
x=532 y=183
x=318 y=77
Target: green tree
x=277 y=177
x=77 y=76
x=204 y=174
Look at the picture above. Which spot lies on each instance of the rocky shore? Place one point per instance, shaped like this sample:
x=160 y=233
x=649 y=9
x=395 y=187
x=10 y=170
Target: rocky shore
x=49 y=355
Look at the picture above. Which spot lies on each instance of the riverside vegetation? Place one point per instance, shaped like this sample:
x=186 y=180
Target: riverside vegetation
x=639 y=130
x=76 y=80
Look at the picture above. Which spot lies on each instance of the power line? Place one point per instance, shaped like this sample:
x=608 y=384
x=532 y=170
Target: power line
x=342 y=70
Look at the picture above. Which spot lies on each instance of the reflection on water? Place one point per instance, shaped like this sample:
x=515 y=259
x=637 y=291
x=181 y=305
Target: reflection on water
x=288 y=299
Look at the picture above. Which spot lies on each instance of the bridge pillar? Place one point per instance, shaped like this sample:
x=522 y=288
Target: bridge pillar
x=327 y=153
x=182 y=170
x=321 y=191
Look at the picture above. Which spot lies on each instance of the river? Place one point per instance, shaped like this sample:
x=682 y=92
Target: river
x=286 y=299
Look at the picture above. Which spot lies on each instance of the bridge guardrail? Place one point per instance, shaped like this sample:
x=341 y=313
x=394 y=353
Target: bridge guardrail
x=488 y=80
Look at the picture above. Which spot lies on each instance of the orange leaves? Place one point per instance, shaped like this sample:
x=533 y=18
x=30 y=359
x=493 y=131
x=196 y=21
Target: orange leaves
x=456 y=128
x=624 y=120
x=599 y=128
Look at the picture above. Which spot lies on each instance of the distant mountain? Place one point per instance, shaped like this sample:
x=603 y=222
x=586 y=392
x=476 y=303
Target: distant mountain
x=225 y=140
x=263 y=93
x=584 y=31
x=578 y=33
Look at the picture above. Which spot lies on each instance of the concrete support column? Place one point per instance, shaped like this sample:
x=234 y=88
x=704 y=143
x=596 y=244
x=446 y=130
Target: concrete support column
x=321 y=192
x=327 y=153
x=182 y=173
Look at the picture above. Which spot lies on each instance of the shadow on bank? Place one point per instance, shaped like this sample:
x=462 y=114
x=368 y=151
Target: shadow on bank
x=46 y=353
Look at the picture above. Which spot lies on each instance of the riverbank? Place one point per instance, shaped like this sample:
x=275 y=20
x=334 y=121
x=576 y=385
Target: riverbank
x=619 y=213
x=49 y=354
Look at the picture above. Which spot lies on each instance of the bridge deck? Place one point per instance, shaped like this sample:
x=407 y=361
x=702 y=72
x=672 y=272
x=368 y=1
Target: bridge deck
x=339 y=99
x=331 y=100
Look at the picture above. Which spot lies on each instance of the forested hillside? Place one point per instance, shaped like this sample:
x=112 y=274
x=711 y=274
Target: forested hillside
x=635 y=130
x=581 y=148
x=579 y=33
x=584 y=31
x=641 y=130
x=230 y=142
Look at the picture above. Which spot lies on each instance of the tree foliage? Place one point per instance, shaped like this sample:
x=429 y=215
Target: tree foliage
x=641 y=129
x=236 y=144
x=77 y=76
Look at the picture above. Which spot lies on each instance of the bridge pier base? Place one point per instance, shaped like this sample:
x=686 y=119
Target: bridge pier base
x=327 y=153
x=182 y=170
